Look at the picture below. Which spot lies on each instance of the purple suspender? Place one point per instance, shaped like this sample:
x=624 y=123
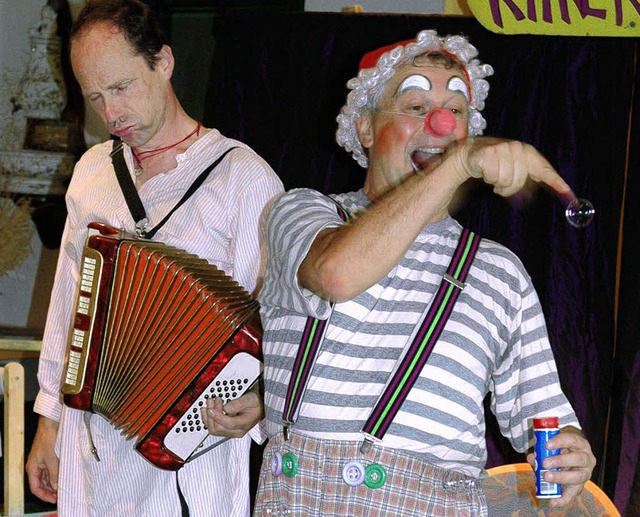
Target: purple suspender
x=425 y=339
x=305 y=359
x=410 y=365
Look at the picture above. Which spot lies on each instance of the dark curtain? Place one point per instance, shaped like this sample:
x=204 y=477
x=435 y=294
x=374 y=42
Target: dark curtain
x=623 y=451
x=278 y=82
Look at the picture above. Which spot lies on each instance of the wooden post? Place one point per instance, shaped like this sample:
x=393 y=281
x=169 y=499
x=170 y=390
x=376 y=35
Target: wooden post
x=13 y=448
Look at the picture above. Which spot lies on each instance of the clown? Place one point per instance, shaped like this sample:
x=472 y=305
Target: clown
x=374 y=379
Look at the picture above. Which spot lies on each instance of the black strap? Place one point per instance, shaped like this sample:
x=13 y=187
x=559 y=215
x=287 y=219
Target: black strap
x=133 y=199
x=126 y=183
x=184 y=507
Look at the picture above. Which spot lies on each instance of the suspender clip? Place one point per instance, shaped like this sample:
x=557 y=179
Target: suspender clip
x=141 y=227
x=368 y=442
x=460 y=285
x=366 y=446
x=285 y=431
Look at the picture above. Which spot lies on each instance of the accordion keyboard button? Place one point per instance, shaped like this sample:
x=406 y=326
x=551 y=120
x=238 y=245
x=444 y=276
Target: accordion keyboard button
x=190 y=431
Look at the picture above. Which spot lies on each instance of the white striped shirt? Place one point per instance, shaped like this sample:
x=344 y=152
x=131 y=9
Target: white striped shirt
x=221 y=223
x=495 y=340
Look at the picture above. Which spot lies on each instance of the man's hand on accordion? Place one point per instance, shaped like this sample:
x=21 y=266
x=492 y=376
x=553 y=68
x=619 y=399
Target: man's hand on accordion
x=235 y=418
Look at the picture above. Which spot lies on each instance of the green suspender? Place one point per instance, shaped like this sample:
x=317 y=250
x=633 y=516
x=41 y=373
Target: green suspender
x=412 y=363
x=424 y=341
x=305 y=359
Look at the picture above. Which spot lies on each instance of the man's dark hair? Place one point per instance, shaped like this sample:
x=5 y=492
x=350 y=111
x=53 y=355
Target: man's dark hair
x=134 y=18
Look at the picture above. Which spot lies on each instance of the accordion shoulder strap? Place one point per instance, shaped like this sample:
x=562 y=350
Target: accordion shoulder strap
x=126 y=183
x=131 y=193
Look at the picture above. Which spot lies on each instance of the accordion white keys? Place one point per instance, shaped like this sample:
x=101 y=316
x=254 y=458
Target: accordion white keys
x=156 y=332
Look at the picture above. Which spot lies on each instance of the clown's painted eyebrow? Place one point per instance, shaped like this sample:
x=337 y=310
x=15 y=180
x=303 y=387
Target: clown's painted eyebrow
x=456 y=84
x=414 y=82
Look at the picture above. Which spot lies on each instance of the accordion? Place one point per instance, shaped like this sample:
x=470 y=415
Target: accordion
x=156 y=332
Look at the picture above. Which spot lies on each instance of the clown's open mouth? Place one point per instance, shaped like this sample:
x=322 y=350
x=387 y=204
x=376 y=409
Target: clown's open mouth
x=424 y=157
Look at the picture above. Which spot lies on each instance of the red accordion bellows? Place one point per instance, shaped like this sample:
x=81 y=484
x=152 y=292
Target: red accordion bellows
x=157 y=331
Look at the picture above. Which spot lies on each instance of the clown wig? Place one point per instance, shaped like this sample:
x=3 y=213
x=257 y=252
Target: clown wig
x=378 y=66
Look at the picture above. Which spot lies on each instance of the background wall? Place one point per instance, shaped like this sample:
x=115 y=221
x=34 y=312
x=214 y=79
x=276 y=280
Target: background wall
x=24 y=291
x=378 y=6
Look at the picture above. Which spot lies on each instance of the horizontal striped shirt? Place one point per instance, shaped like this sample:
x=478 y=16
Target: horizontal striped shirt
x=495 y=341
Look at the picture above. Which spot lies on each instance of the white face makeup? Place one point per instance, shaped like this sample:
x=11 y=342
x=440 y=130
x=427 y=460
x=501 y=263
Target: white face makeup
x=415 y=82
x=417 y=119
x=421 y=83
x=458 y=85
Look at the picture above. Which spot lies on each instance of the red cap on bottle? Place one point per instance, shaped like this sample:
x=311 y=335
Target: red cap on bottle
x=548 y=422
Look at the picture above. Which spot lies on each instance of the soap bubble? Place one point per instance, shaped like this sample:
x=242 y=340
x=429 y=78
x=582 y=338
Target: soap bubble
x=579 y=212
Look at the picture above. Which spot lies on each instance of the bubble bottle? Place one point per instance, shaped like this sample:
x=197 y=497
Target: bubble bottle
x=544 y=429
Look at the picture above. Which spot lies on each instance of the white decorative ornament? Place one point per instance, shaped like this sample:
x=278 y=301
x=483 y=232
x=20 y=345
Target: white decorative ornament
x=41 y=91
x=39 y=95
x=35 y=172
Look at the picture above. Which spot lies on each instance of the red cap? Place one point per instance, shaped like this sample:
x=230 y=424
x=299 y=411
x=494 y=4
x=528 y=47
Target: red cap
x=370 y=59
x=548 y=422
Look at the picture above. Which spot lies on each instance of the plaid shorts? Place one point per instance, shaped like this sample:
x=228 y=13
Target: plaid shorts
x=412 y=488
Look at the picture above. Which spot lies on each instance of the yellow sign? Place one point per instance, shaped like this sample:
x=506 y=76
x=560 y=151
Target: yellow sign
x=559 y=17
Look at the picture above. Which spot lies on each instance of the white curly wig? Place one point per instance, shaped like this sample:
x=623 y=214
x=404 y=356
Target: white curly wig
x=366 y=88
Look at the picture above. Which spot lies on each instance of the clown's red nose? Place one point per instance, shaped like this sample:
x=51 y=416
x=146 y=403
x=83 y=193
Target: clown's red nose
x=439 y=122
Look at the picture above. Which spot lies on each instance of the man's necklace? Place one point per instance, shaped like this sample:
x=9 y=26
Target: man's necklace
x=143 y=155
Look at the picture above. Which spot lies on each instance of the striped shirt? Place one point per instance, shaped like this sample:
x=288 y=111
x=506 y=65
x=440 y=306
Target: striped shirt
x=495 y=341
x=220 y=223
